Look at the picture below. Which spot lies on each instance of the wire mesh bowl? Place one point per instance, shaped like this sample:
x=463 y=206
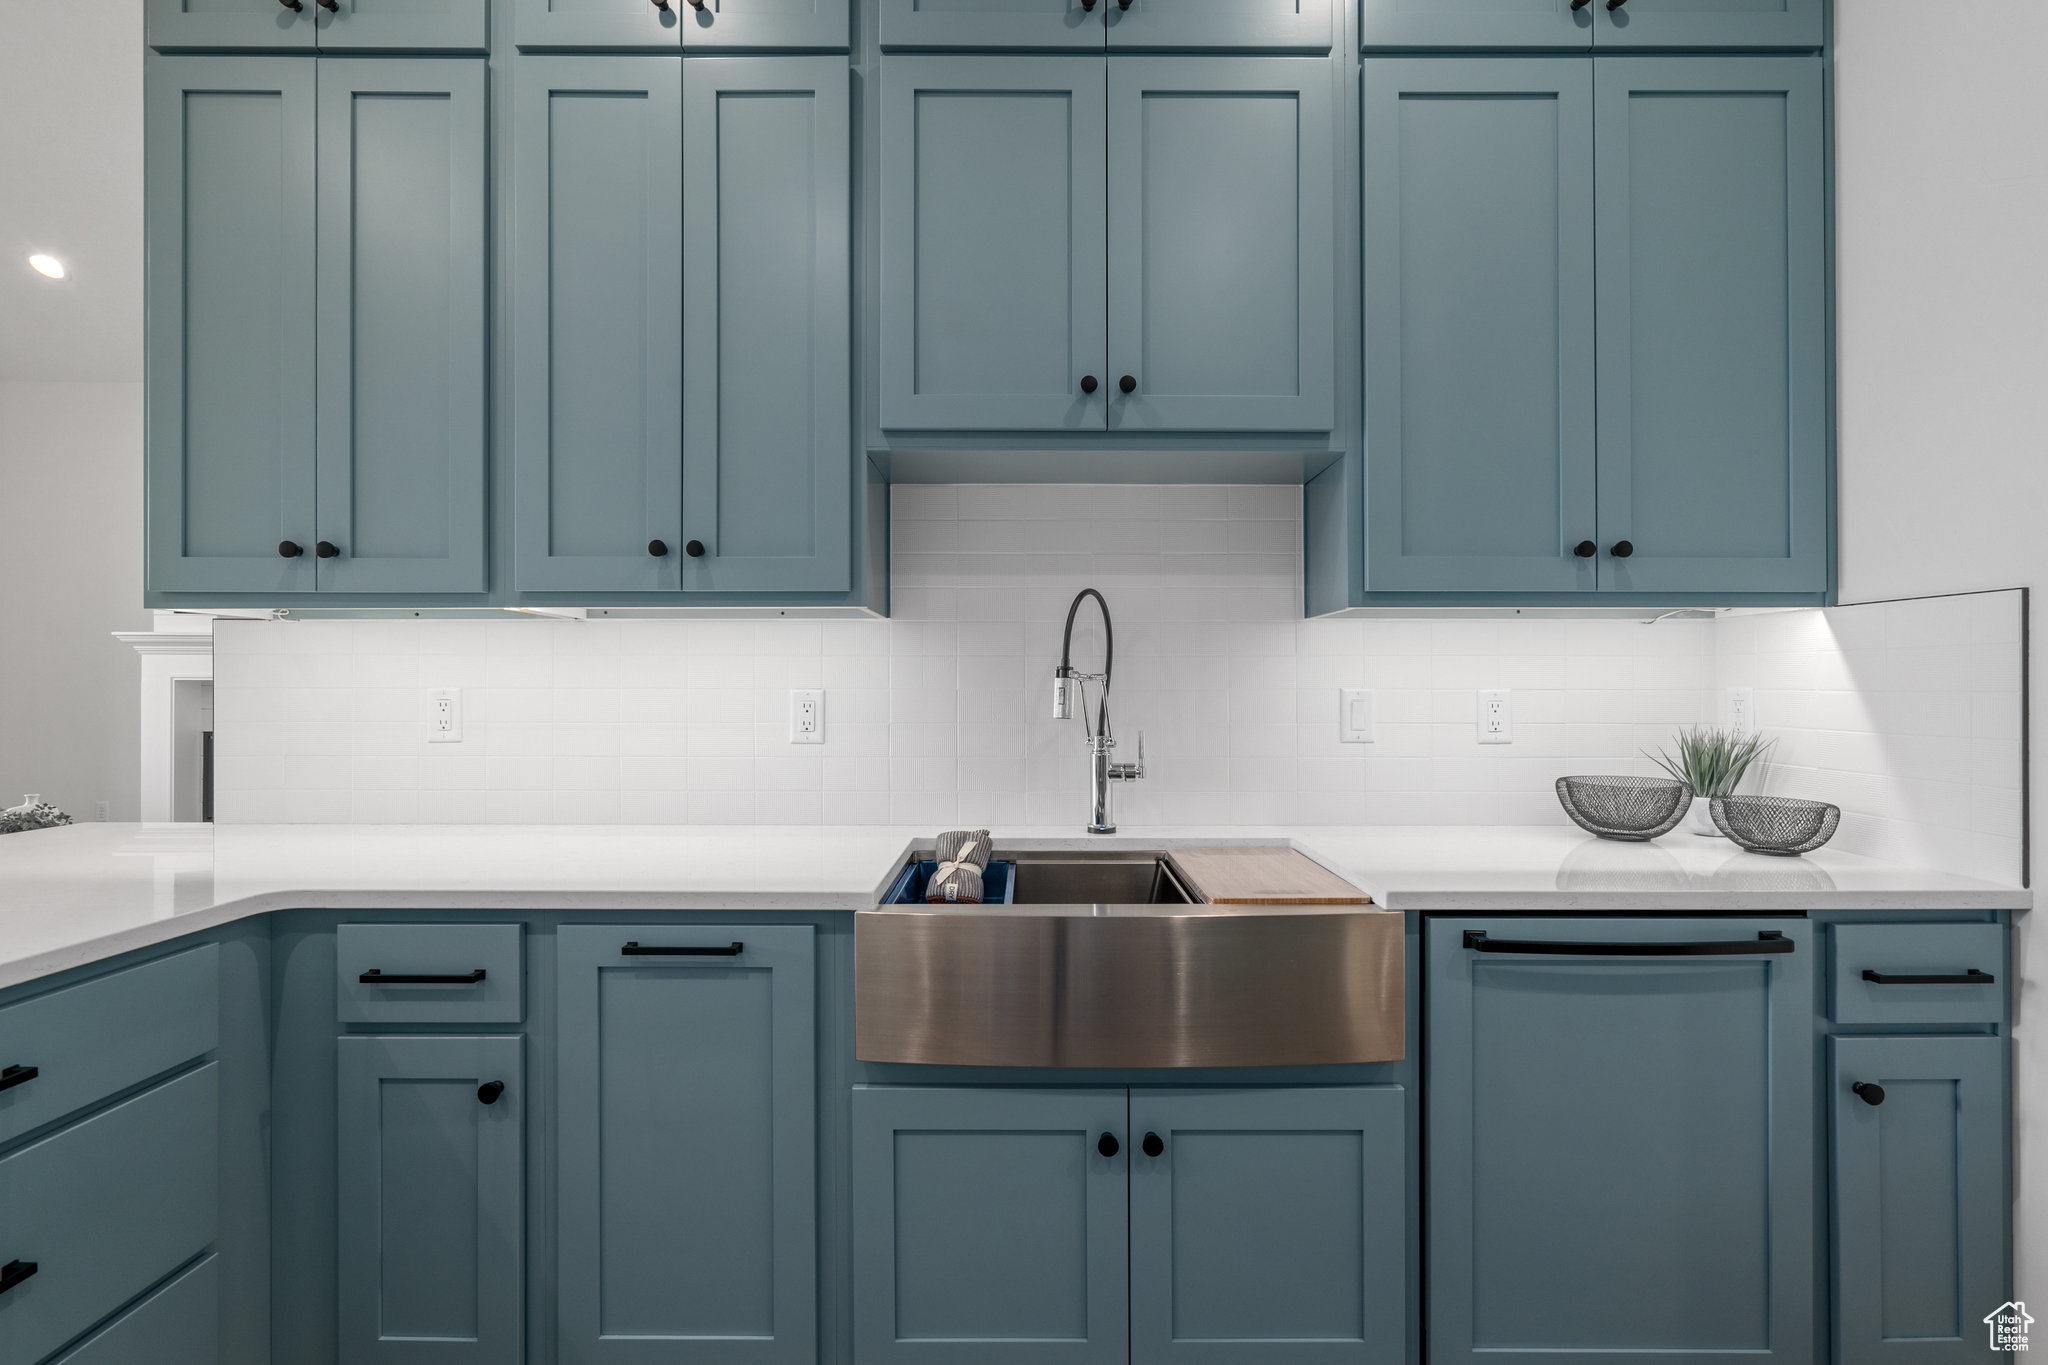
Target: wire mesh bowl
x=1629 y=808
x=1781 y=826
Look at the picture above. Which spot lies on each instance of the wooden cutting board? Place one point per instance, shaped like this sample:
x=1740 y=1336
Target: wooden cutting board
x=1261 y=876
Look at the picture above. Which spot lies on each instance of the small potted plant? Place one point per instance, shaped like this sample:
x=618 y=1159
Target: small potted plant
x=1712 y=761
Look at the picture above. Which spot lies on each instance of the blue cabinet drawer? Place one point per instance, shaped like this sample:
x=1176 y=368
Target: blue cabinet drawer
x=177 y=1325
x=428 y=974
x=1919 y=974
x=72 y=1048
x=105 y=1209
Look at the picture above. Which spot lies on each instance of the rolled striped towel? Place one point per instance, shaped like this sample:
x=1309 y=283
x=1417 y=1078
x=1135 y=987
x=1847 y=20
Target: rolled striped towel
x=962 y=855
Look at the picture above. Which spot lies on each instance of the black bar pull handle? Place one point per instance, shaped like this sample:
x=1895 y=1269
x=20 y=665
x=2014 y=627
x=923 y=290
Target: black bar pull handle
x=18 y=1075
x=1767 y=942
x=636 y=950
x=374 y=977
x=1972 y=977
x=14 y=1272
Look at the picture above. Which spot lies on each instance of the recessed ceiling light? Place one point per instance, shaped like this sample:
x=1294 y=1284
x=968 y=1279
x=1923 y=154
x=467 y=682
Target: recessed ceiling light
x=48 y=265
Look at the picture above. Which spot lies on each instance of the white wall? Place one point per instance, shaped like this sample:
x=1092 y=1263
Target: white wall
x=1942 y=209
x=70 y=572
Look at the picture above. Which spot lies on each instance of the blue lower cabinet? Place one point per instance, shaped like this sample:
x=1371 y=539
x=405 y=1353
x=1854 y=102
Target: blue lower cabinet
x=1621 y=1140
x=1920 y=1197
x=1269 y=1226
x=990 y=1224
x=687 y=1170
x=430 y=1181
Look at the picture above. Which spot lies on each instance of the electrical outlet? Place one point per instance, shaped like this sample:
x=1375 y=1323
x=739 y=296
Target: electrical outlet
x=1742 y=710
x=1354 y=715
x=806 y=716
x=444 y=715
x=1496 y=717
x=100 y=811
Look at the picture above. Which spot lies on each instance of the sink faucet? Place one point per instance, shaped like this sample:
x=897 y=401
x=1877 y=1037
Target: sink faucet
x=1068 y=686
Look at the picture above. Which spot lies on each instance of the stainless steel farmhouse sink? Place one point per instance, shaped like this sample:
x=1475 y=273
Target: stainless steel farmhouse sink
x=1104 y=961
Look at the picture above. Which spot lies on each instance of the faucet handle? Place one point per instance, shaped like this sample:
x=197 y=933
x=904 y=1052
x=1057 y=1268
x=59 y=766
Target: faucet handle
x=1131 y=772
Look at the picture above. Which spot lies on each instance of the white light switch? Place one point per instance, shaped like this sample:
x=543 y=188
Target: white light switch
x=1496 y=717
x=806 y=716
x=444 y=715
x=1354 y=715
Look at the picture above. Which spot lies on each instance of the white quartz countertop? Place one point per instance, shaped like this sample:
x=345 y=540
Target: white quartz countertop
x=85 y=893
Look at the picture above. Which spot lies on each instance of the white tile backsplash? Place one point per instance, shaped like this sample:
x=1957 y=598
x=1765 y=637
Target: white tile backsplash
x=1907 y=713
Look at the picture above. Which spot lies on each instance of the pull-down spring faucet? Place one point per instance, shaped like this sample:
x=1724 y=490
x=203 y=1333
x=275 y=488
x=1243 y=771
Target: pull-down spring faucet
x=1069 y=687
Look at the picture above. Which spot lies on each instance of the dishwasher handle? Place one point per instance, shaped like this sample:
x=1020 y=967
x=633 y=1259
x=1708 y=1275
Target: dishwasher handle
x=1768 y=942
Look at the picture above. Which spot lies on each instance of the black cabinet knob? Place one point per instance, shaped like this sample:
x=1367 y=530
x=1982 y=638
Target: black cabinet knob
x=1872 y=1095
x=695 y=549
x=657 y=548
x=1088 y=383
x=293 y=5
x=1623 y=549
x=327 y=549
x=1153 y=1145
x=489 y=1091
x=1585 y=549
x=1088 y=6
x=1128 y=384
x=288 y=549
x=1109 y=1146
x=1578 y=5
x=697 y=5
x=1613 y=5
x=331 y=6
x=1123 y=4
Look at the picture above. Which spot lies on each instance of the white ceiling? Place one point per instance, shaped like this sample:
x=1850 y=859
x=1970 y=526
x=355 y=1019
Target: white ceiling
x=71 y=186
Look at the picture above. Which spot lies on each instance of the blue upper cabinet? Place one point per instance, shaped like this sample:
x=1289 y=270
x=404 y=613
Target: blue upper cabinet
x=577 y=25
x=1047 y=24
x=1586 y=24
x=330 y=25
x=431 y=1180
x=401 y=327
x=1709 y=23
x=1222 y=260
x=991 y=1224
x=1621 y=1158
x=1479 y=392
x=1242 y=25
x=1269 y=1226
x=768 y=456
x=1712 y=292
x=230 y=199
x=992 y=243
x=597 y=309
x=687 y=1144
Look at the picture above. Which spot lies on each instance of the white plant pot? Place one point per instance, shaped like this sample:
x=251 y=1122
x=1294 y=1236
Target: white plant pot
x=1701 y=819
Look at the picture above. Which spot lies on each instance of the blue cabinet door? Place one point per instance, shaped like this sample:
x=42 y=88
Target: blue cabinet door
x=1477 y=23
x=429 y=1181
x=270 y=24
x=768 y=456
x=992 y=243
x=1920 y=1198
x=1240 y=25
x=1270 y=1228
x=1709 y=23
x=230 y=327
x=758 y=25
x=1621 y=1147
x=1713 y=325
x=401 y=326
x=402 y=26
x=990 y=1224
x=687 y=1132
x=1478 y=269
x=1048 y=24
x=597 y=307
x=597 y=25
x=1222 y=255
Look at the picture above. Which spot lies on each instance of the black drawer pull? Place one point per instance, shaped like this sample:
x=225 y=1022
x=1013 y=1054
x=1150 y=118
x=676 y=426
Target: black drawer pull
x=1972 y=977
x=18 y=1075
x=635 y=950
x=373 y=977
x=1769 y=941
x=14 y=1272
